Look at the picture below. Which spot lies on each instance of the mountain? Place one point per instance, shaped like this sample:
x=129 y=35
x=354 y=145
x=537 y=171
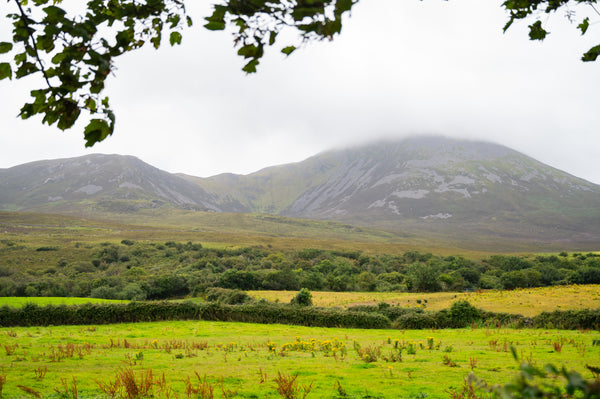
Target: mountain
x=428 y=186
x=99 y=182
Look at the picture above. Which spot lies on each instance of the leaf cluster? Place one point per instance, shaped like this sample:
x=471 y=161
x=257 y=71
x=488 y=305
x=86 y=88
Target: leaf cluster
x=258 y=23
x=75 y=53
x=524 y=9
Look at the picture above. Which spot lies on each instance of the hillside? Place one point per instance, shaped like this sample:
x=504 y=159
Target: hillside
x=426 y=188
x=102 y=183
x=432 y=184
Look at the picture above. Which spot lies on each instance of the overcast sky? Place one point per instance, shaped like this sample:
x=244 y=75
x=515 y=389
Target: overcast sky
x=399 y=68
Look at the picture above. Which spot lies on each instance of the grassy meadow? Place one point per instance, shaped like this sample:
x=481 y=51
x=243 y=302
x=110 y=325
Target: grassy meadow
x=15 y=301
x=527 y=301
x=245 y=360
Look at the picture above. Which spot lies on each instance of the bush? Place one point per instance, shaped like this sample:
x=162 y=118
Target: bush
x=302 y=298
x=415 y=321
x=45 y=249
x=226 y=296
x=391 y=312
x=462 y=313
x=568 y=319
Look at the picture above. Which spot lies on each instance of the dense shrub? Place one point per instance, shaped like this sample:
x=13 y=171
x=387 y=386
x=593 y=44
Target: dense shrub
x=172 y=269
x=302 y=298
x=391 y=312
x=568 y=319
x=462 y=314
x=415 y=321
x=226 y=296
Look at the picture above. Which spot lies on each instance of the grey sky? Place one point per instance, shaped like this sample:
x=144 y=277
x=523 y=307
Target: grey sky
x=399 y=68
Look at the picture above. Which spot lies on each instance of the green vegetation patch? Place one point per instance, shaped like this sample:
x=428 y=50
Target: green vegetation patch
x=17 y=302
x=248 y=359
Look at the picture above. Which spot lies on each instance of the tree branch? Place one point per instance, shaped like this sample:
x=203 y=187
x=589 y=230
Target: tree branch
x=33 y=44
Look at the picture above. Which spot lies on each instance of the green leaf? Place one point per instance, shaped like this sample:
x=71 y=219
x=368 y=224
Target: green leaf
x=300 y=13
x=214 y=25
x=97 y=130
x=59 y=57
x=5 y=71
x=584 y=26
x=250 y=51
x=5 y=47
x=54 y=14
x=175 y=38
x=250 y=67
x=272 y=37
x=288 y=50
x=217 y=20
x=91 y=105
x=20 y=58
x=342 y=6
x=69 y=112
x=536 y=32
x=591 y=54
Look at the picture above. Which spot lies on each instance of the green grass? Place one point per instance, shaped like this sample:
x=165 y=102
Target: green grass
x=17 y=302
x=238 y=356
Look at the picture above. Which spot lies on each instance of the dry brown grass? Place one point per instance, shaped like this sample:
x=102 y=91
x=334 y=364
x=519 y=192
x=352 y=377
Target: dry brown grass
x=527 y=302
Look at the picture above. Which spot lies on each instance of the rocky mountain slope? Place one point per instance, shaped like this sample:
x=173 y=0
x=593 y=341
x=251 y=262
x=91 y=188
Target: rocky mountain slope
x=432 y=185
x=102 y=182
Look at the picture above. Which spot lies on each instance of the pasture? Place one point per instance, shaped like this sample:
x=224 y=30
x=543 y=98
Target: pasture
x=18 y=301
x=527 y=301
x=189 y=359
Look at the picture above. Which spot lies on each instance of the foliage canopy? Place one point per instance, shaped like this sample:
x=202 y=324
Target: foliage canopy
x=73 y=53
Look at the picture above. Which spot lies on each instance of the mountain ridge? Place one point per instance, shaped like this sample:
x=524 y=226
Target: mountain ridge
x=423 y=185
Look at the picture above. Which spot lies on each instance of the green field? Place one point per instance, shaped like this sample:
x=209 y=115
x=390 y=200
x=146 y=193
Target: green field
x=246 y=358
x=42 y=301
x=526 y=302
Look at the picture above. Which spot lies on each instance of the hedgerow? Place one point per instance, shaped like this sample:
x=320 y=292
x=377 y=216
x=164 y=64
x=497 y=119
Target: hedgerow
x=462 y=314
x=234 y=305
x=33 y=315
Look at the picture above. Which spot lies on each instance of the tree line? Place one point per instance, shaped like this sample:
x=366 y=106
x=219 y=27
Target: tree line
x=163 y=270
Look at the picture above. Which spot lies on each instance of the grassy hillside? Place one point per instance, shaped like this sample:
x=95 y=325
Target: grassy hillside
x=216 y=229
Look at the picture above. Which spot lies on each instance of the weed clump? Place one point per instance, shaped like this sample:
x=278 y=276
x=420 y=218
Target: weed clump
x=288 y=388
